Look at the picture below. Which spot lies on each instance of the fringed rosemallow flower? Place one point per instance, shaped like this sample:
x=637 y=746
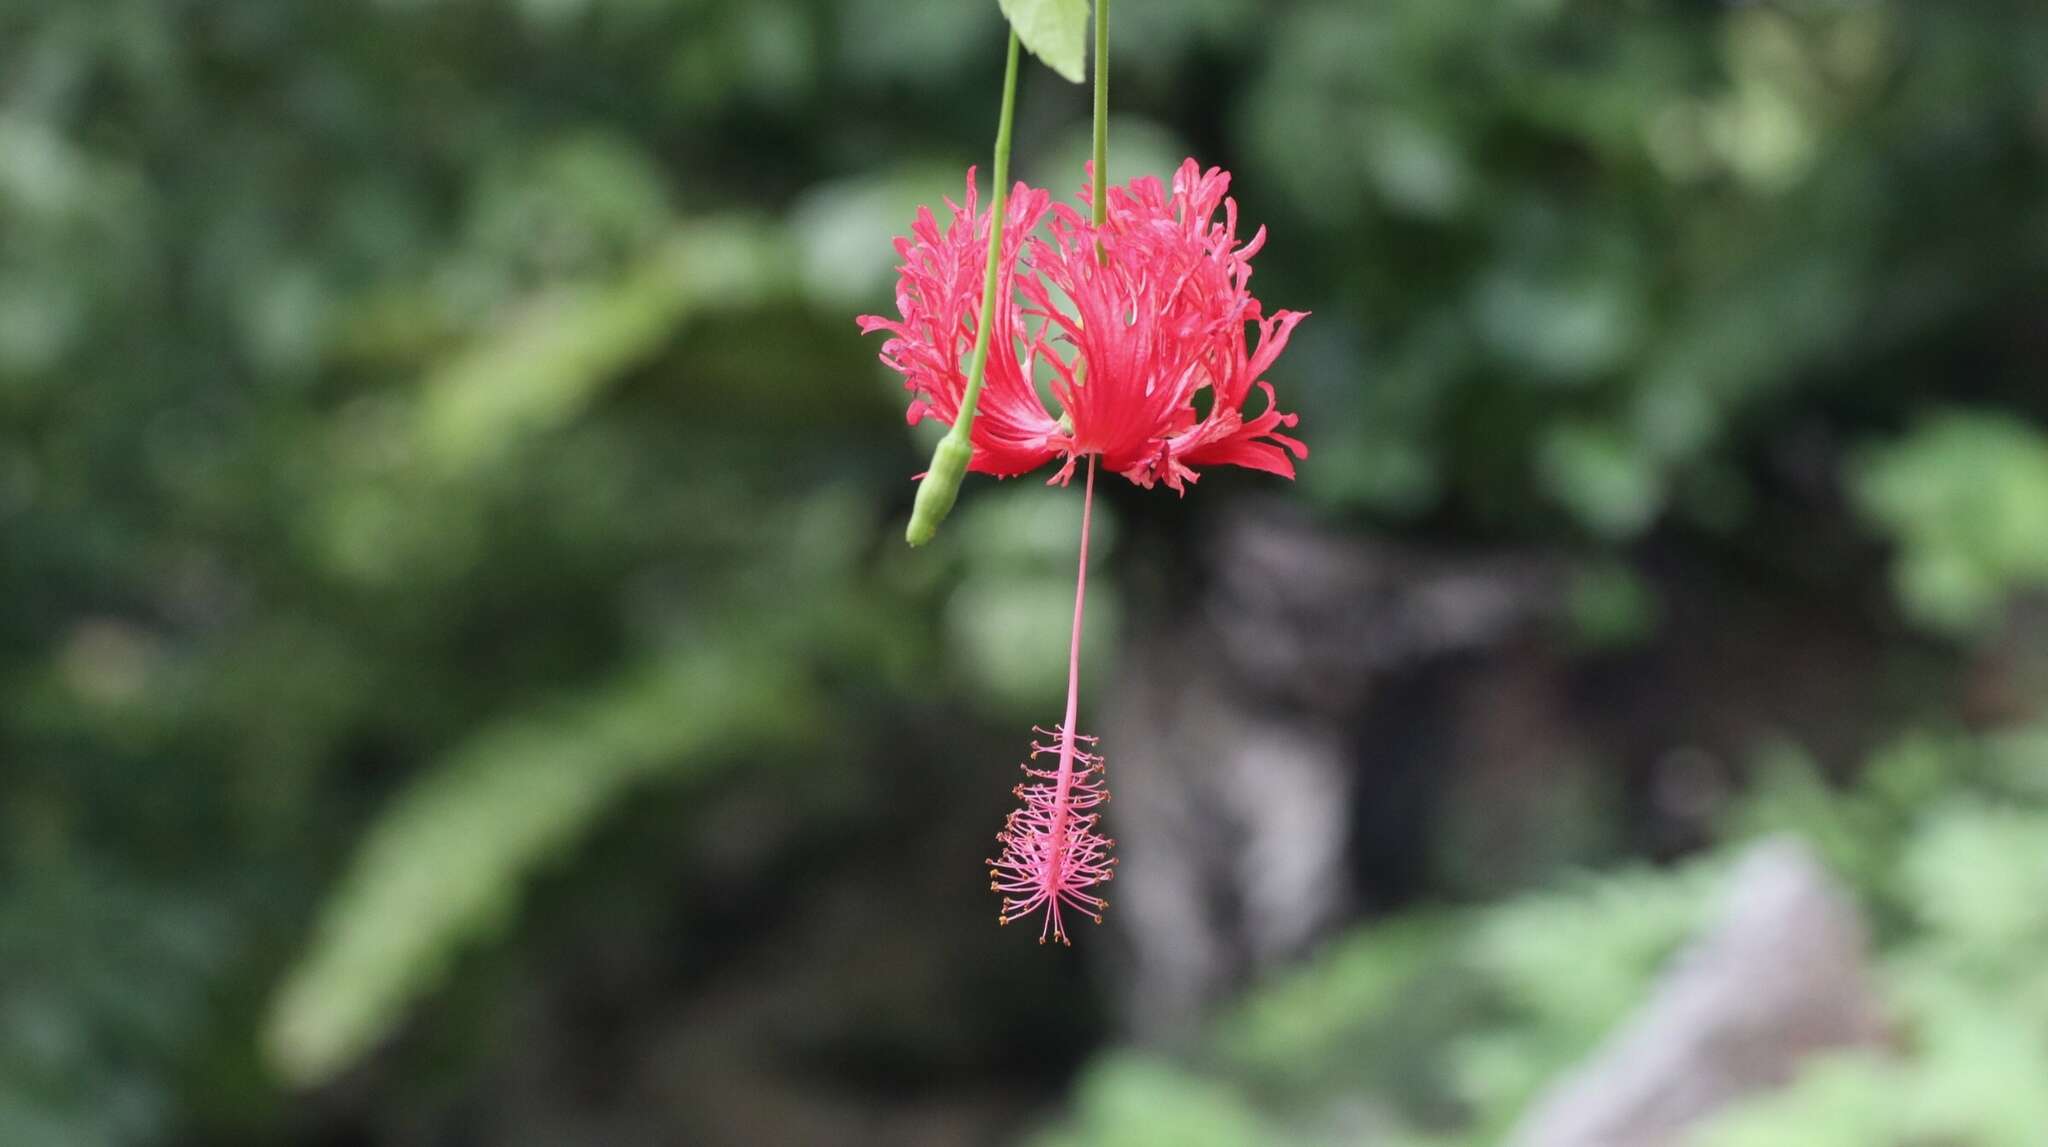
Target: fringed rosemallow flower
x=1153 y=309
x=1146 y=336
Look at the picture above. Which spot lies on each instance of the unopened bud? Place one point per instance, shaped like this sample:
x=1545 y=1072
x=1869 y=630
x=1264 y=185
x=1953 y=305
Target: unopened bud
x=940 y=487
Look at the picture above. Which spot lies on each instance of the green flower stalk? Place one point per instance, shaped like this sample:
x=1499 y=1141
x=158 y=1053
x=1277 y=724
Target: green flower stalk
x=941 y=485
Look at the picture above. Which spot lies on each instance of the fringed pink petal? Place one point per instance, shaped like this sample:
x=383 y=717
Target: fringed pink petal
x=938 y=296
x=1160 y=316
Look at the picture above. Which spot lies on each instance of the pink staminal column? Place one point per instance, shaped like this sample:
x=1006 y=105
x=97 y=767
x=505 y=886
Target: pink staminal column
x=1052 y=852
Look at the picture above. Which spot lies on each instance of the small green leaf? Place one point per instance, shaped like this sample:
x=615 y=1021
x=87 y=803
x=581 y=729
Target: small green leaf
x=1056 y=31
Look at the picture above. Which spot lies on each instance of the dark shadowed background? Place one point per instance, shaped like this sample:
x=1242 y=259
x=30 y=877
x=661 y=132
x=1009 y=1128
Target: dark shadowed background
x=462 y=683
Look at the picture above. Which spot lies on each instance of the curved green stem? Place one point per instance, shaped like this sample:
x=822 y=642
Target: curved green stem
x=999 y=203
x=941 y=485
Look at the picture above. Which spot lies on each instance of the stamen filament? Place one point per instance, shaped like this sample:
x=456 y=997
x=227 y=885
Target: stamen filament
x=1063 y=786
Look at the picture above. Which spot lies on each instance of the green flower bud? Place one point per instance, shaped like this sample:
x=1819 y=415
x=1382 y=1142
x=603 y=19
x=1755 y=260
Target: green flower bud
x=940 y=487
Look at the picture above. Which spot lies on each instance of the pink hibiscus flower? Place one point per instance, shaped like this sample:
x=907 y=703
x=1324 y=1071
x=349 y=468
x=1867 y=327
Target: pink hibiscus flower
x=1141 y=327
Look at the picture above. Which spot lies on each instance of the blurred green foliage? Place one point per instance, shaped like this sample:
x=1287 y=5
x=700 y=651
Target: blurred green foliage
x=429 y=427
x=1616 y=254
x=1438 y=1031
x=444 y=862
x=1966 y=495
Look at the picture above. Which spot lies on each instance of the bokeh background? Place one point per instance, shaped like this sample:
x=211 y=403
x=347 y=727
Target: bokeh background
x=462 y=683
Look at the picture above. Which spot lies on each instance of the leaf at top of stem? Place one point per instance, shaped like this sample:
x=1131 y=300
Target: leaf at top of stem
x=1056 y=31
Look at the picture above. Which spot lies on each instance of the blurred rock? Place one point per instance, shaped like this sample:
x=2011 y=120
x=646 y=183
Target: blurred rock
x=1781 y=975
x=1239 y=776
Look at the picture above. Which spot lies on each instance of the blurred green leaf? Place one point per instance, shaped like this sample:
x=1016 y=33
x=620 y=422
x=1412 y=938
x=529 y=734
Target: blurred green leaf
x=1135 y=1101
x=1376 y=1005
x=1965 y=493
x=555 y=353
x=1571 y=962
x=1970 y=882
x=1790 y=795
x=1612 y=607
x=444 y=865
x=1604 y=477
x=1842 y=1101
